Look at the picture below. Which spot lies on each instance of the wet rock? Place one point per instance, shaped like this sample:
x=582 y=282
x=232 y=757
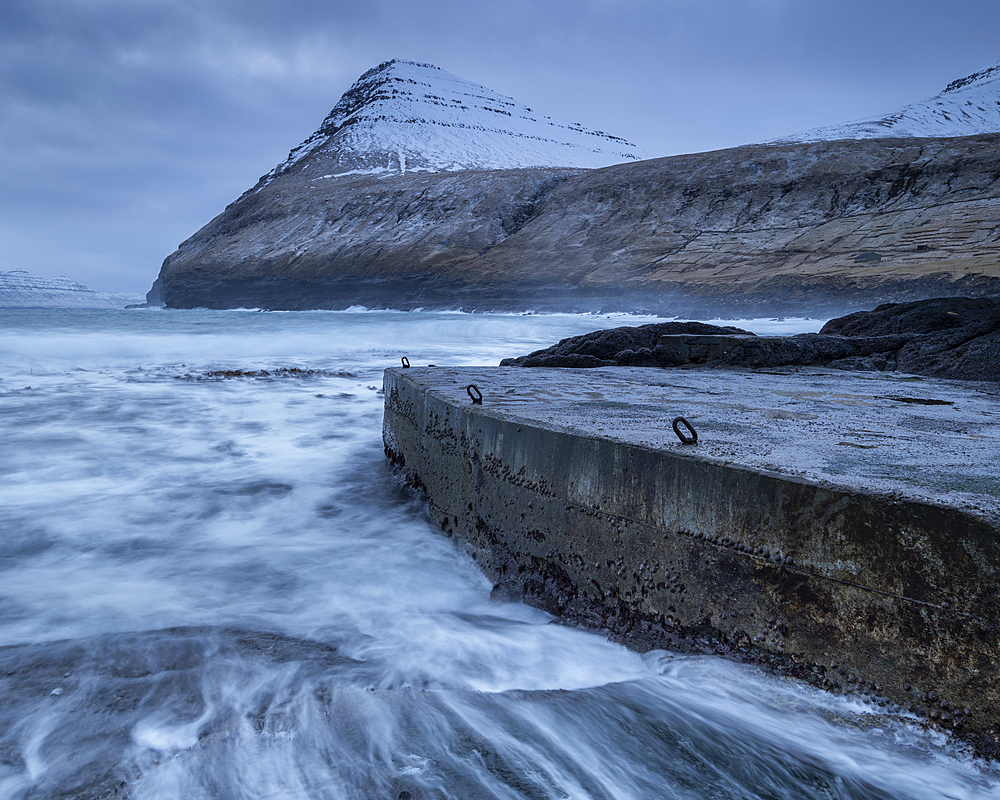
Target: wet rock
x=925 y=316
x=951 y=337
x=623 y=347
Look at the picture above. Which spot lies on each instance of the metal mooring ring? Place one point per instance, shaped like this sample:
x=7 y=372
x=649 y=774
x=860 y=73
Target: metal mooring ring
x=685 y=439
x=477 y=396
x=406 y=362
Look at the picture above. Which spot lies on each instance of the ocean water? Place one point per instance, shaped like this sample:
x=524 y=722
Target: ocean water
x=212 y=585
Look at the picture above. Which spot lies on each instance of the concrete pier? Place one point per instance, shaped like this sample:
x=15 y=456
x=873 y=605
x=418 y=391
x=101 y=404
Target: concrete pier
x=842 y=527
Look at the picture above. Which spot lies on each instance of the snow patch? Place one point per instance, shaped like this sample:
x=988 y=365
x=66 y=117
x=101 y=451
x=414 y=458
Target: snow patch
x=419 y=118
x=966 y=107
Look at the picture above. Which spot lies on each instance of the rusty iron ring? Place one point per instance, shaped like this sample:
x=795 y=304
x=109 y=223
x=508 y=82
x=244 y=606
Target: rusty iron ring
x=685 y=439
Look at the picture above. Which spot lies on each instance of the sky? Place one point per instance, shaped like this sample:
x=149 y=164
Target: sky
x=126 y=125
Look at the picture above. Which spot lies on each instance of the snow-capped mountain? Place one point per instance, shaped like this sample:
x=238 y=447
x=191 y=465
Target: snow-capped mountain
x=966 y=107
x=405 y=117
x=21 y=289
x=437 y=205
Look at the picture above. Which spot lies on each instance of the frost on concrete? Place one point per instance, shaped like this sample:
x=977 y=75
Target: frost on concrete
x=924 y=439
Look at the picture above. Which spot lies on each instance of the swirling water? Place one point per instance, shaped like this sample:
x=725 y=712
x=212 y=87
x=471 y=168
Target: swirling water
x=215 y=586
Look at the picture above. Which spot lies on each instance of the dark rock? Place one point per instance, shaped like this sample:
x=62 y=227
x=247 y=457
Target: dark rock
x=950 y=337
x=623 y=347
x=925 y=316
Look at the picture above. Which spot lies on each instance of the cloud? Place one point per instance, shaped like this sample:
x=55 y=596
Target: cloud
x=127 y=124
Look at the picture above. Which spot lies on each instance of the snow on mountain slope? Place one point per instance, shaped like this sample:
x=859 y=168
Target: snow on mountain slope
x=967 y=107
x=20 y=289
x=406 y=117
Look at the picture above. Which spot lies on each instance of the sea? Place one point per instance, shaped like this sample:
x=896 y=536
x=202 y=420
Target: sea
x=214 y=585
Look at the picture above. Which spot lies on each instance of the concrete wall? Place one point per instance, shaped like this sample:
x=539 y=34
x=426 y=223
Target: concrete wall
x=888 y=597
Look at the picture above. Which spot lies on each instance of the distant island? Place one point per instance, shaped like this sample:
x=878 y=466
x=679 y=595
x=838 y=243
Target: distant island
x=421 y=189
x=21 y=289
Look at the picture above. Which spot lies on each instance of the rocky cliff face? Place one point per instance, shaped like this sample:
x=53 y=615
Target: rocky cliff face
x=804 y=227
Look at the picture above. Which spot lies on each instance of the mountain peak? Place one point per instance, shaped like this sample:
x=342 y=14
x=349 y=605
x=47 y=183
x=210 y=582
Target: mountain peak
x=965 y=107
x=405 y=116
x=976 y=78
x=381 y=83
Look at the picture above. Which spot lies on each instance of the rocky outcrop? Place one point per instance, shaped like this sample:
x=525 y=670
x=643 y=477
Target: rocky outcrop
x=627 y=346
x=938 y=315
x=945 y=337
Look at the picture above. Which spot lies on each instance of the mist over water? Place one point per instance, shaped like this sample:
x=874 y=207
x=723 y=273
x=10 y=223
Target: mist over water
x=215 y=586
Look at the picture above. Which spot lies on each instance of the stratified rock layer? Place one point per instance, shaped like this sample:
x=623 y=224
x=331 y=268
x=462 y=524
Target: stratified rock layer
x=816 y=228
x=404 y=117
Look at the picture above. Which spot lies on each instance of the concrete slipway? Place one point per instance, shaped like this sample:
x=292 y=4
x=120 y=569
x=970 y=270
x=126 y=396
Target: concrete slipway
x=842 y=527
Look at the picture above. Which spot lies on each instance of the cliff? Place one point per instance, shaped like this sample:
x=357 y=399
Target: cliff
x=411 y=196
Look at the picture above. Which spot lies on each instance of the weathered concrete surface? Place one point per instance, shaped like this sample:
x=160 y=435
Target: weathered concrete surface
x=843 y=528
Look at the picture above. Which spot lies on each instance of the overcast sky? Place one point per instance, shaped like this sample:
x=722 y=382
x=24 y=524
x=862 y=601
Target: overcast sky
x=126 y=125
